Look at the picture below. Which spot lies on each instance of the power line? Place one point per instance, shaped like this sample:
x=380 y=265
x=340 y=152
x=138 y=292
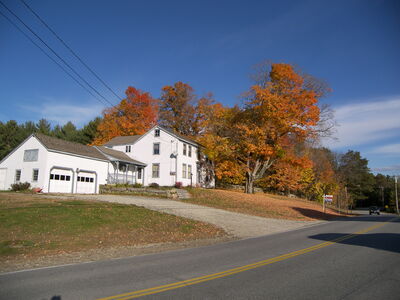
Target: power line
x=45 y=53
x=69 y=48
x=56 y=54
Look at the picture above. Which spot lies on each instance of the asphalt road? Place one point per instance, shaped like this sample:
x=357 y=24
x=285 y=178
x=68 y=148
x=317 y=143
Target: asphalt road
x=355 y=258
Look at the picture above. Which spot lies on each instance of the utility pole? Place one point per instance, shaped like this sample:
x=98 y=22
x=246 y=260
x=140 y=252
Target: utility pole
x=395 y=191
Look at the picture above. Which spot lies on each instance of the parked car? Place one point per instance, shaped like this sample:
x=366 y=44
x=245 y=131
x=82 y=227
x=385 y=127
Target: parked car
x=374 y=210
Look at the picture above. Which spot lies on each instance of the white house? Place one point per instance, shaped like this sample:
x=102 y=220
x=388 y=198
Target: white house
x=59 y=166
x=170 y=157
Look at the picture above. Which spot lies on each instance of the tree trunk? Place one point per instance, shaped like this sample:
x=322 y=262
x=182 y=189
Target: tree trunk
x=249 y=189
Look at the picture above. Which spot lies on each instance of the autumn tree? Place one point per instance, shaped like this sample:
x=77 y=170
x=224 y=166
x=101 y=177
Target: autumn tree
x=182 y=111
x=282 y=107
x=135 y=114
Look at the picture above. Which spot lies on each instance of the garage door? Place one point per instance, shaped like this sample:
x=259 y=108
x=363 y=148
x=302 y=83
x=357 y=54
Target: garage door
x=60 y=181
x=3 y=174
x=86 y=183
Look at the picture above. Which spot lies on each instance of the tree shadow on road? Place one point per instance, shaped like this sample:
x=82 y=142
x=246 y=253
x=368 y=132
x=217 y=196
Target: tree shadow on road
x=381 y=241
x=320 y=215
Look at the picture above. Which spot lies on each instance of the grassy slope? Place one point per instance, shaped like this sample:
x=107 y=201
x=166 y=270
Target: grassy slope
x=264 y=205
x=33 y=226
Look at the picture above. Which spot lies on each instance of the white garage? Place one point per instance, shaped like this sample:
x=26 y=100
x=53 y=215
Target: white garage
x=57 y=166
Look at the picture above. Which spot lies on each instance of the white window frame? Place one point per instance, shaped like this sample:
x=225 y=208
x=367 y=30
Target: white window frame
x=190 y=151
x=30 y=156
x=19 y=172
x=128 y=148
x=158 y=171
x=33 y=175
x=154 y=148
x=184 y=149
x=189 y=171
x=183 y=170
x=139 y=173
x=157 y=132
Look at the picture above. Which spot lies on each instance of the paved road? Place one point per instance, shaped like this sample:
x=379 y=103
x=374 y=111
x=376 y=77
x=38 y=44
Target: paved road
x=301 y=264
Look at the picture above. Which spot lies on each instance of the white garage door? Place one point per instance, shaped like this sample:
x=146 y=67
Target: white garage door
x=60 y=181
x=3 y=174
x=86 y=183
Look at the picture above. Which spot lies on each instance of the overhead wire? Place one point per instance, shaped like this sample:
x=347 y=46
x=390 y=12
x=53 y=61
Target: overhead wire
x=56 y=54
x=70 y=49
x=45 y=53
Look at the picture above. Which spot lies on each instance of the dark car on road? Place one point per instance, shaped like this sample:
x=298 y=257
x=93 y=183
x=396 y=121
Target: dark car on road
x=374 y=210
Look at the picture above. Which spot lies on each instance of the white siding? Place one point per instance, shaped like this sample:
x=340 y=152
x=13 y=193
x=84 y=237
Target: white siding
x=170 y=167
x=15 y=161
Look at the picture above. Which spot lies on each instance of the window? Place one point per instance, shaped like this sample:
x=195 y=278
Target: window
x=139 y=173
x=184 y=149
x=87 y=179
x=35 y=175
x=91 y=179
x=157 y=132
x=56 y=177
x=156 y=171
x=128 y=148
x=190 y=151
x=183 y=170
x=67 y=178
x=156 y=148
x=189 y=171
x=52 y=176
x=31 y=155
x=17 y=175
x=62 y=177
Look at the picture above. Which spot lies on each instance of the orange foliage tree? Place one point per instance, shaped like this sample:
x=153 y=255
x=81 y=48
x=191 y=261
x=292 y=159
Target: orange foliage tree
x=135 y=114
x=283 y=107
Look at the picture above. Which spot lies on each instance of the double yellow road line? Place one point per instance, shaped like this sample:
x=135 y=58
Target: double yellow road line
x=179 y=284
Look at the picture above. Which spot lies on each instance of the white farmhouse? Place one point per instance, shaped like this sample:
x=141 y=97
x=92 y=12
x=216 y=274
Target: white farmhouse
x=170 y=157
x=57 y=166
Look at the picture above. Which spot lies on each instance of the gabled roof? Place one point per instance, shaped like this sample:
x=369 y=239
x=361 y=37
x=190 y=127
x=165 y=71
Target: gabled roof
x=132 y=139
x=118 y=155
x=123 y=140
x=179 y=136
x=56 y=144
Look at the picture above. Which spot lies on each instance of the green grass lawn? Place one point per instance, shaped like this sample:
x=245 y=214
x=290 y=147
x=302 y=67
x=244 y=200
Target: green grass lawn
x=32 y=226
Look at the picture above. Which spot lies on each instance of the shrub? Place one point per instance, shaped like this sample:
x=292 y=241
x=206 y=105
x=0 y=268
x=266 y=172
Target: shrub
x=20 y=186
x=178 y=184
x=154 y=185
x=137 y=185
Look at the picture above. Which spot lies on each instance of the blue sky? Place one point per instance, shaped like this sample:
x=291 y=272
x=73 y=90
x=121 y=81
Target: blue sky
x=213 y=46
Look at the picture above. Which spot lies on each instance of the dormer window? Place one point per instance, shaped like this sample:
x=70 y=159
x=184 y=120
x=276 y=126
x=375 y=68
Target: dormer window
x=127 y=149
x=157 y=132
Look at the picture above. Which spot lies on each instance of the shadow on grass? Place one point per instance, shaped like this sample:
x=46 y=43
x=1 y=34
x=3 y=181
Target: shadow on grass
x=381 y=241
x=315 y=214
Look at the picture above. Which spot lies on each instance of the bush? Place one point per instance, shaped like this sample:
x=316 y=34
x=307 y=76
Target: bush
x=178 y=184
x=154 y=185
x=20 y=186
x=137 y=185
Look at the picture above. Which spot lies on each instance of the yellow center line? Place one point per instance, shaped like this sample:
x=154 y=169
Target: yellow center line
x=196 y=280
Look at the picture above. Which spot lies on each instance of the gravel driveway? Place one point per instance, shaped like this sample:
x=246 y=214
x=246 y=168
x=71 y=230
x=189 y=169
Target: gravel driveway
x=235 y=224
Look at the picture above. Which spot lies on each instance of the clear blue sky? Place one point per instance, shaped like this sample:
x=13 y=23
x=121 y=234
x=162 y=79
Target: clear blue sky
x=213 y=45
